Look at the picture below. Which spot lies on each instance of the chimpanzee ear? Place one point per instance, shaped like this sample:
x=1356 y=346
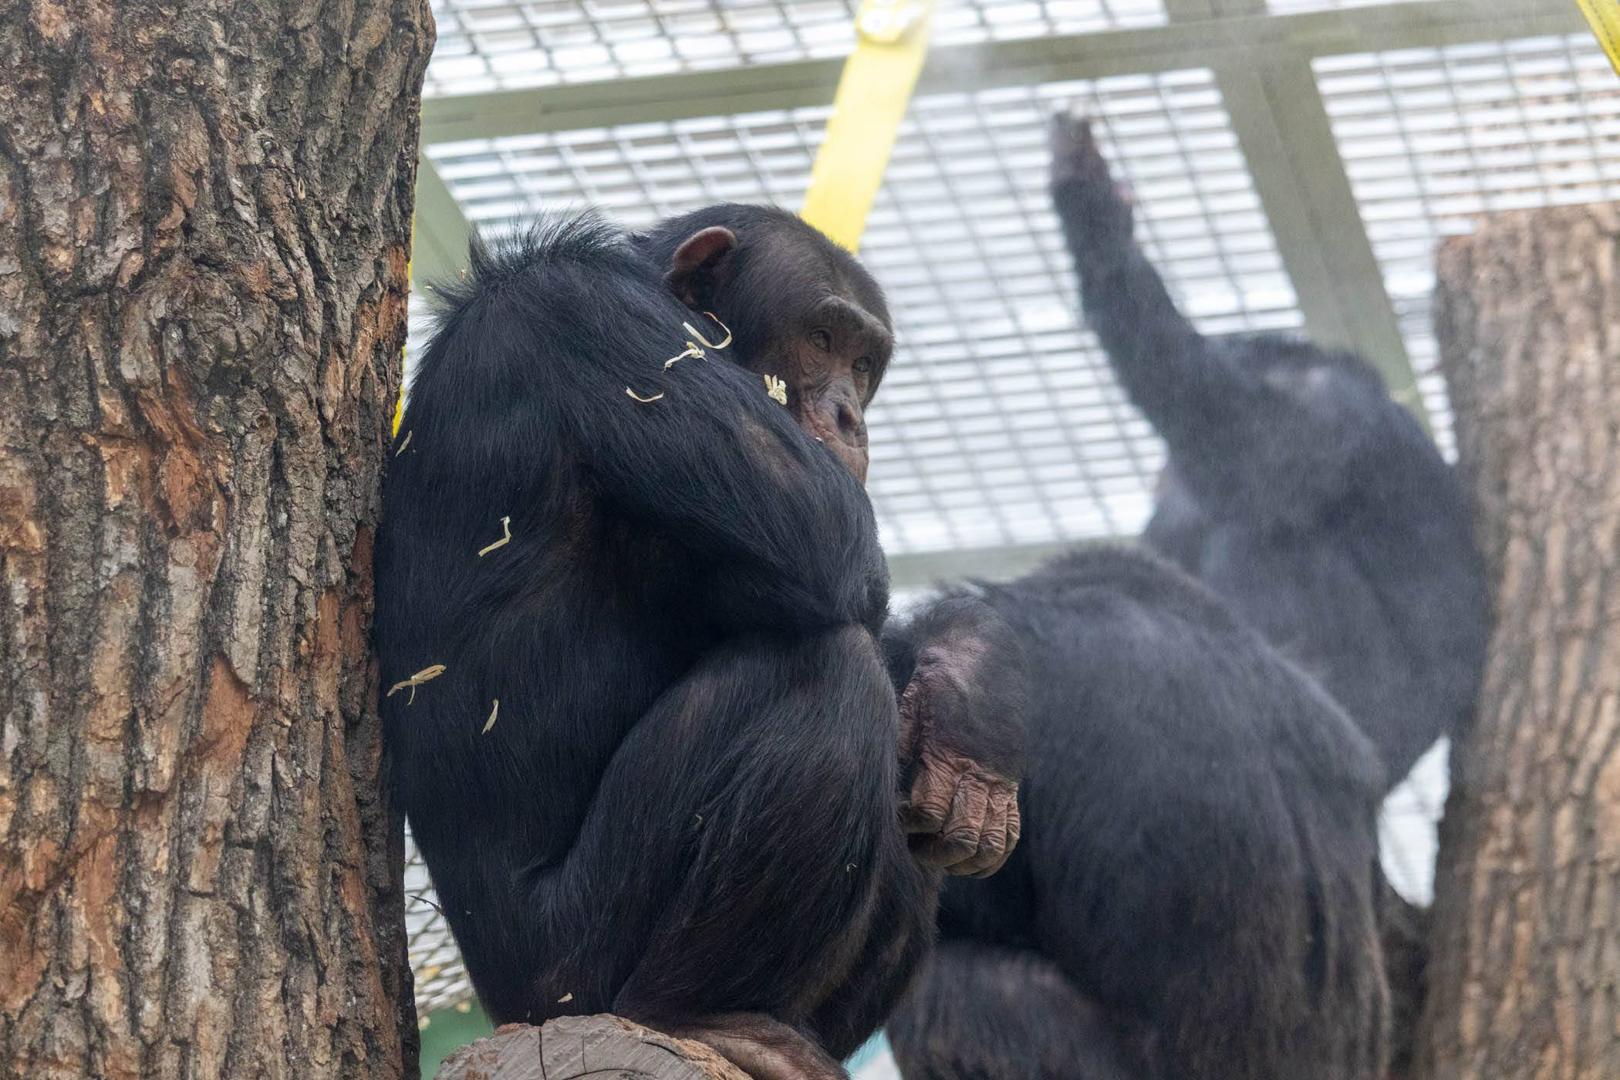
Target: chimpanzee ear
x=700 y=264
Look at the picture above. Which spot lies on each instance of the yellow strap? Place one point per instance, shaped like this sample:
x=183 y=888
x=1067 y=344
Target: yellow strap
x=891 y=43
x=1604 y=15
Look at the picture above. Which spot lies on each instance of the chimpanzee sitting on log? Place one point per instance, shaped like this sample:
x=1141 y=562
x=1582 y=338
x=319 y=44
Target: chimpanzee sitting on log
x=628 y=607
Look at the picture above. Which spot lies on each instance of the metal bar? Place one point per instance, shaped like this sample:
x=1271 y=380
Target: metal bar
x=441 y=231
x=1192 y=43
x=1282 y=123
x=1268 y=155
x=925 y=569
x=1282 y=126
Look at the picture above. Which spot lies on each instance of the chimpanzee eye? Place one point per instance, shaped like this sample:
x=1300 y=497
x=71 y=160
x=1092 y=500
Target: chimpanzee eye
x=821 y=340
x=863 y=365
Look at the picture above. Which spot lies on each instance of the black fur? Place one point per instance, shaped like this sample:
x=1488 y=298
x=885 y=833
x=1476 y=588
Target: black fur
x=989 y=1012
x=1193 y=898
x=1297 y=489
x=688 y=803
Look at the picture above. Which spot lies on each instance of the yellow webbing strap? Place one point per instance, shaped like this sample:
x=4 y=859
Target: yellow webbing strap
x=1604 y=15
x=891 y=44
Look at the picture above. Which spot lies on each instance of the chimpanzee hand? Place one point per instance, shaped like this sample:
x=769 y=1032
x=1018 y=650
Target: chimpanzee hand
x=1091 y=206
x=961 y=736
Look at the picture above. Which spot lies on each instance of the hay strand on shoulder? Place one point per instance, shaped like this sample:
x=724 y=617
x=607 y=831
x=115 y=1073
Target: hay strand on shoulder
x=427 y=674
x=691 y=350
x=506 y=538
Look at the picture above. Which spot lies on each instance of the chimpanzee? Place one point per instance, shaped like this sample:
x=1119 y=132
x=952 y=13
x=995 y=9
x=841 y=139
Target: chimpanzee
x=1296 y=488
x=628 y=604
x=1193 y=897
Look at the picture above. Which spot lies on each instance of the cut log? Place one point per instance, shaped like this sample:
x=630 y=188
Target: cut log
x=1526 y=937
x=580 y=1046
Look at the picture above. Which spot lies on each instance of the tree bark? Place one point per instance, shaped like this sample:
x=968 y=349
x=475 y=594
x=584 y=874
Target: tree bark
x=205 y=215
x=1526 y=946
x=572 y=1047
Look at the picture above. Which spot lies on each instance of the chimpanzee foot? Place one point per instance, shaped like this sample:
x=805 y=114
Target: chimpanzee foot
x=762 y=1047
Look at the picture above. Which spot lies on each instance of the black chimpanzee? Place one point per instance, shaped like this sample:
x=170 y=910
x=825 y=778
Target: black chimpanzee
x=1193 y=895
x=1296 y=488
x=627 y=605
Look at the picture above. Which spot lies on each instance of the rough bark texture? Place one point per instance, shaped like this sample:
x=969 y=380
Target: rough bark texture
x=580 y=1046
x=1526 y=947
x=204 y=221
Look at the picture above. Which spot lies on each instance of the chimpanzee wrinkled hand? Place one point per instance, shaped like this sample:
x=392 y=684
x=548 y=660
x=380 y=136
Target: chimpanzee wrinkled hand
x=961 y=733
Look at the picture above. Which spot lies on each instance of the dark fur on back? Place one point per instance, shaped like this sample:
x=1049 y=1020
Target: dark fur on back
x=1198 y=857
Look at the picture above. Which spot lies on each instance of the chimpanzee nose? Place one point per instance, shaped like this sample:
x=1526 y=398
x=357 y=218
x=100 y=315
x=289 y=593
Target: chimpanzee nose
x=851 y=425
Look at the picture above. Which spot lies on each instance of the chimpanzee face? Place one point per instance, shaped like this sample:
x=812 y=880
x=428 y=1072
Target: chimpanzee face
x=800 y=311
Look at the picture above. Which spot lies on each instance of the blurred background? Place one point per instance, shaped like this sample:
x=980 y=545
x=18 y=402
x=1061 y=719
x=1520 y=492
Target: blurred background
x=1293 y=166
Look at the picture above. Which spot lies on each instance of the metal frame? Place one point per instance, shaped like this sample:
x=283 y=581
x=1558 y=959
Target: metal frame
x=1261 y=62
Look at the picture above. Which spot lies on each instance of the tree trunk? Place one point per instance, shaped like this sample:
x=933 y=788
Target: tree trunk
x=1526 y=948
x=205 y=215
x=573 y=1047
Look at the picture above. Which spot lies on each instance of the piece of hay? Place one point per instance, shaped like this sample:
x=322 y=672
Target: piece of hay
x=644 y=400
x=493 y=713
x=404 y=444
x=566 y=998
x=776 y=389
x=506 y=538
x=691 y=350
x=690 y=329
x=425 y=675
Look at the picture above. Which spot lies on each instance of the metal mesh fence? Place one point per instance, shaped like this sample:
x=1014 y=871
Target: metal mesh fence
x=485 y=45
x=999 y=424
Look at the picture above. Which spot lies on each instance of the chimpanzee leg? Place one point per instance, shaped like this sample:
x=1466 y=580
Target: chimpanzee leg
x=988 y=1012
x=900 y=933
x=749 y=827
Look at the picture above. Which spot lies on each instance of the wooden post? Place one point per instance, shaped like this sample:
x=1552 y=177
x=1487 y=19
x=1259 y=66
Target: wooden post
x=571 y=1047
x=205 y=221
x=1524 y=977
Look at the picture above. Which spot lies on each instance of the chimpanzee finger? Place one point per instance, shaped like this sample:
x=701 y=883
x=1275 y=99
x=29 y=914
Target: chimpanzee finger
x=929 y=805
x=959 y=840
x=992 y=836
x=1000 y=834
x=913 y=703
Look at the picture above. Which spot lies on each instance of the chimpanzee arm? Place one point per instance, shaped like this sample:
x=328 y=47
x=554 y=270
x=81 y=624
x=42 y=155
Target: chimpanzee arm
x=566 y=340
x=963 y=685
x=1233 y=433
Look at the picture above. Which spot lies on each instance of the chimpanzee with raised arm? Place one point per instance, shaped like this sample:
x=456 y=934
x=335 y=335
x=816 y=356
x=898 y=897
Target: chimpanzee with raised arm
x=1296 y=488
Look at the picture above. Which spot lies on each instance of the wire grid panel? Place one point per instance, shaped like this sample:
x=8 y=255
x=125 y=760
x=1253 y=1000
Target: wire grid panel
x=1432 y=138
x=999 y=422
x=1291 y=7
x=502 y=44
